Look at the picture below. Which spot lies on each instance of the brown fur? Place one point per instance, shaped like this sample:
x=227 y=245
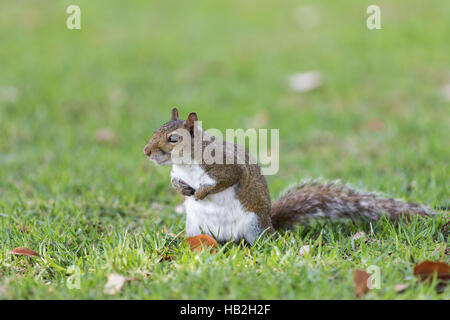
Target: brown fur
x=336 y=201
x=252 y=189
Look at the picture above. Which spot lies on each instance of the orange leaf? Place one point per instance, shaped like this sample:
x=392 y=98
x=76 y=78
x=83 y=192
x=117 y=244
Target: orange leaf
x=426 y=269
x=360 y=278
x=197 y=243
x=22 y=251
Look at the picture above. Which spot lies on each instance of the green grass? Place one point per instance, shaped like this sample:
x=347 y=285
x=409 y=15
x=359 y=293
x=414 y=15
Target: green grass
x=103 y=206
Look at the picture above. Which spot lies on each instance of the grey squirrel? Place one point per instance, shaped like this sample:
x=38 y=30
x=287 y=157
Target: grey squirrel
x=232 y=201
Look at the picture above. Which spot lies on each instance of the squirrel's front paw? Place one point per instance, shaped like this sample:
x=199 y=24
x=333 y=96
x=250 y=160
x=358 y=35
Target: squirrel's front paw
x=200 y=194
x=182 y=187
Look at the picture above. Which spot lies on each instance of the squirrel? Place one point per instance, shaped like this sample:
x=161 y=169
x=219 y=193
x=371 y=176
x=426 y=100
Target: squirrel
x=232 y=201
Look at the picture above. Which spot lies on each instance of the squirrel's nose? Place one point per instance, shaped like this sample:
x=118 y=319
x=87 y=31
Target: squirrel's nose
x=147 y=150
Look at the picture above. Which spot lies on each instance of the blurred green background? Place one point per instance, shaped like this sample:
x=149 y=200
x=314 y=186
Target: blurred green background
x=229 y=62
x=78 y=106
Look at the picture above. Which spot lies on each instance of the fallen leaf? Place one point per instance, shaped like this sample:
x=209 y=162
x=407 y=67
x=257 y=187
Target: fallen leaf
x=106 y=135
x=197 y=243
x=360 y=278
x=164 y=257
x=304 y=250
x=22 y=251
x=401 y=287
x=360 y=234
x=115 y=283
x=427 y=269
x=305 y=81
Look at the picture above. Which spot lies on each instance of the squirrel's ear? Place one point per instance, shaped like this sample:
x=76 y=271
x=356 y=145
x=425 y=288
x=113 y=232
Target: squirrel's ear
x=190 y=122
x=174 y=114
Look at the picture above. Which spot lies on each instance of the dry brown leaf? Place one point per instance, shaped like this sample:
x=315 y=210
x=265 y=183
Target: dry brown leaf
x=164 y=257
x=197 y=243
x=23 y=251
x=106 y=135
x=360 y=278
x=115 y=283
x=427 y=269
x=401 y=287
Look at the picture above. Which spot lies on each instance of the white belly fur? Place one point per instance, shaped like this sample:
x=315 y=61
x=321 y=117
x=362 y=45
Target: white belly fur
x=221 y=214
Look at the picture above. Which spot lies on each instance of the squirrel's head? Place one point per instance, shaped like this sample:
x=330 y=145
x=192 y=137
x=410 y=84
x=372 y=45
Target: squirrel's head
x=169 y=136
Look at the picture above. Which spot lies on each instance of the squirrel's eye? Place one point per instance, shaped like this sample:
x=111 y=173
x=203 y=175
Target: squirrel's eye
x=173 y=138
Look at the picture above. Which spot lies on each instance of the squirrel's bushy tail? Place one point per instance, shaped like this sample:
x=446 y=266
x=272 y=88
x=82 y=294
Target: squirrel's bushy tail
x=315 y=200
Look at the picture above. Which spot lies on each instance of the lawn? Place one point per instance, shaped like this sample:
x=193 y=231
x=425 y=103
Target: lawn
x=78 y=106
